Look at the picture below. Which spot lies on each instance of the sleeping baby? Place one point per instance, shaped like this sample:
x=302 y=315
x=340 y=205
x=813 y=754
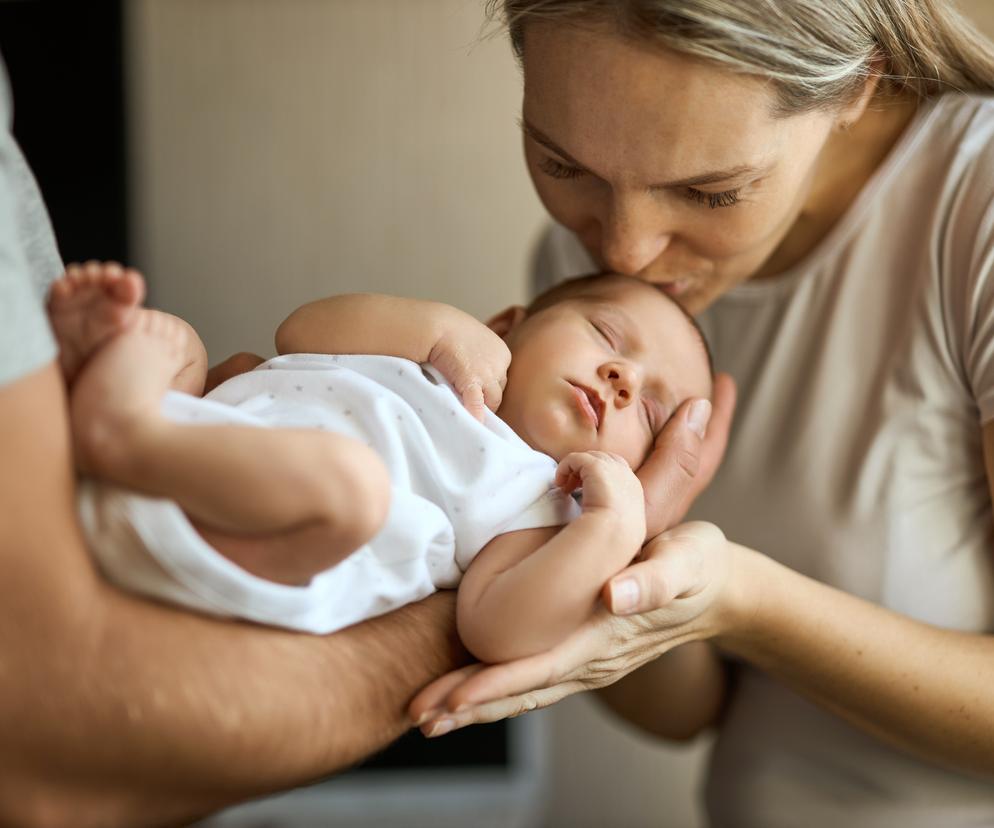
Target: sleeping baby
x=395 y=447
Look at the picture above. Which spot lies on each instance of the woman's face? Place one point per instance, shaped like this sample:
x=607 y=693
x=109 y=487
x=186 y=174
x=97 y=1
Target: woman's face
x=666 y=168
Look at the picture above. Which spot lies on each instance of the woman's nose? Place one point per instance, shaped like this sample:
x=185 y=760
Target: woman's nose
x=633 y=234
x=624 y=380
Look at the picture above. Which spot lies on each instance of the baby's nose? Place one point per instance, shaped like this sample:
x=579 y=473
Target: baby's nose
x=624 y=381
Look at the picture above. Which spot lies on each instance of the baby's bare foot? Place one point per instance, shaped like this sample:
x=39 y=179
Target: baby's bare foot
x=88 y=305
x=116 y=399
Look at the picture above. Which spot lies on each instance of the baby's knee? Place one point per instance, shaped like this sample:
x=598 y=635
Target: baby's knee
x=362 y=490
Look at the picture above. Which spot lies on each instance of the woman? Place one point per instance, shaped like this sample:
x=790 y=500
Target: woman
x=814 y=179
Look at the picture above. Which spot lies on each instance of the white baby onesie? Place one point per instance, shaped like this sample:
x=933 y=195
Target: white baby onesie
x=456 y=484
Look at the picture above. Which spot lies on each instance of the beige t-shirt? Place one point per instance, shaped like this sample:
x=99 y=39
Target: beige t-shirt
x=864 y=374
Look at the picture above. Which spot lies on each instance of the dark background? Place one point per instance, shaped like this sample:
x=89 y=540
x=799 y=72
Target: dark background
x=66 y=68
x=64 y=59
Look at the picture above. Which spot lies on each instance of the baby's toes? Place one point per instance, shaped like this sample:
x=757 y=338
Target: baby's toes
x=126 y=286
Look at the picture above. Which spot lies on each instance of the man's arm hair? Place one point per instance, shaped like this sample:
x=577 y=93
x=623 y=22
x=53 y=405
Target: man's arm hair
x=118 y=711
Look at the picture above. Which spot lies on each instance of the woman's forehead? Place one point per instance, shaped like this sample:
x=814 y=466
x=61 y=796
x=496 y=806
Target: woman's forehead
x=614 y=103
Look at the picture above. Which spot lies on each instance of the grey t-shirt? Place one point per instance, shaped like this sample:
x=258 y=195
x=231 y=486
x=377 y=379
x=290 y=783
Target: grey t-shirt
x=29 y=259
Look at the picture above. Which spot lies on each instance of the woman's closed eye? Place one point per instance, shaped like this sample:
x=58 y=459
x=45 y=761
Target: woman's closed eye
x=556 y=169
x=727 y=198
x=713 y=201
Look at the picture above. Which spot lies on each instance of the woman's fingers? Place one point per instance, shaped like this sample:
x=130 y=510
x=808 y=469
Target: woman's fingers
x=505 y=708
x=686 y=455
x=673 y=566
x=716 y=439
x=432 y=699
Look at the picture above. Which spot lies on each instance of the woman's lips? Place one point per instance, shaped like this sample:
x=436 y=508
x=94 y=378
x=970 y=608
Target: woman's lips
x=589 y=403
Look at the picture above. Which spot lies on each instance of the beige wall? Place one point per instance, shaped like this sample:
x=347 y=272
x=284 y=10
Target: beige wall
x=285 y=149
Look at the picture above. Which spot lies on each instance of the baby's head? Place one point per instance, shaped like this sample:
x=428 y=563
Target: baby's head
x=600 y=363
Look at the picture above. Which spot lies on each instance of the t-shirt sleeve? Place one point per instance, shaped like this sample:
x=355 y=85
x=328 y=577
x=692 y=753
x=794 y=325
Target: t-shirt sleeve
x=967 y=286
x=28 y=259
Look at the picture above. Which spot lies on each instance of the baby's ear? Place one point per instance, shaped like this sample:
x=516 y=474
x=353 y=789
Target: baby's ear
x=507 y=320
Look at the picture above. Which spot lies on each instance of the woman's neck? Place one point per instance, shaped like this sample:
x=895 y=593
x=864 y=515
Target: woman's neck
x=846 y=164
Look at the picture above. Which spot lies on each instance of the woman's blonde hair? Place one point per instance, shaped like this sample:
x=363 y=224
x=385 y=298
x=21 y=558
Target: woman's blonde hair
x=817 y=53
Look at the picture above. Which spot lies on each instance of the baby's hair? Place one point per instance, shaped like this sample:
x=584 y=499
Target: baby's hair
x=580 y=286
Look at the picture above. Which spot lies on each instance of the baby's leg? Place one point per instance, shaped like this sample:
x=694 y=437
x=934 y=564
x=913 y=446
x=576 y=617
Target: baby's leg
x=233 y=481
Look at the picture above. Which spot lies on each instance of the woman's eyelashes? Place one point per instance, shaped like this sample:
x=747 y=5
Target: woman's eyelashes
x=555 y=169
x=714 y=200
x=728 y=198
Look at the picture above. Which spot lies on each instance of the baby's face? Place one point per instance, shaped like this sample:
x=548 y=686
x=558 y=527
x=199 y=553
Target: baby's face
x=602 y=372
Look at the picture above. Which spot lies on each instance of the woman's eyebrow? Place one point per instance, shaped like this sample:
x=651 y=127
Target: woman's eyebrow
x=701 y=179
x=540 y=137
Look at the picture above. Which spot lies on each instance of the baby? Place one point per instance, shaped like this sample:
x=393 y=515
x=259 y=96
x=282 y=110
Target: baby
x=356 y=436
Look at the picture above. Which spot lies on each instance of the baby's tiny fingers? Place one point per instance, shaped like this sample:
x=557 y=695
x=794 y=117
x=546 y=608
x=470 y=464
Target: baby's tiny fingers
x=473 y=399
x=493 y=393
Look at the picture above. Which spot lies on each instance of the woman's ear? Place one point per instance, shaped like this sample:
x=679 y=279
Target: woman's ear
x=507 y=320
x=854 y=110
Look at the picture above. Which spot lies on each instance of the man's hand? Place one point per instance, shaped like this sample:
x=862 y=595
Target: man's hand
x=474 y=359
x=234 y=365
x=686 y=456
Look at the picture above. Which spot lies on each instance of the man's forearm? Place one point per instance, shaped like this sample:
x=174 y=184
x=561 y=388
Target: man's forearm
x=168 y=715
x=122 y=712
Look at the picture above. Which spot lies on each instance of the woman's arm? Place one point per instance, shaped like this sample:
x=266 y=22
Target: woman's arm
x=528 y=590
x=118 y=711
x=921 y=688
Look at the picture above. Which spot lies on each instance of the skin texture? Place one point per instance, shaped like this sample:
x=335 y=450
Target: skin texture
x=631 y=116
x=629 y=346
x=99 y=733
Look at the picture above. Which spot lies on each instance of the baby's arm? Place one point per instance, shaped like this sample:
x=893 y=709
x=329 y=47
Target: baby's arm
x=470 y=356
x=368 y=323
x=528 y=590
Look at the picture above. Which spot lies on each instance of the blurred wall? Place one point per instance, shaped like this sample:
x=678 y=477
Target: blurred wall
x=286 y=150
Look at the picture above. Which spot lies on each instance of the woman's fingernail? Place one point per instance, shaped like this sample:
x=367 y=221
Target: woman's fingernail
x=624 y=595
x=440 y=728
x=424 y=717
x=698 y=416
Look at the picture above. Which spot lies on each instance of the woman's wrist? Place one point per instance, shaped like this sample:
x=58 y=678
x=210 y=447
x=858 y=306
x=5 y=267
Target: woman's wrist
x=737 y=616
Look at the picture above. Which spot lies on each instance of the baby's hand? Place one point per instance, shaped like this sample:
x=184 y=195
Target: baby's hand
x=609 y=485
x=475 y=360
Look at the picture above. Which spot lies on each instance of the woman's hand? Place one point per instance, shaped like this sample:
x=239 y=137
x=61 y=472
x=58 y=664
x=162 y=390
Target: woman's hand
x=687 y=453
x=683 y=578
x=474 y=360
